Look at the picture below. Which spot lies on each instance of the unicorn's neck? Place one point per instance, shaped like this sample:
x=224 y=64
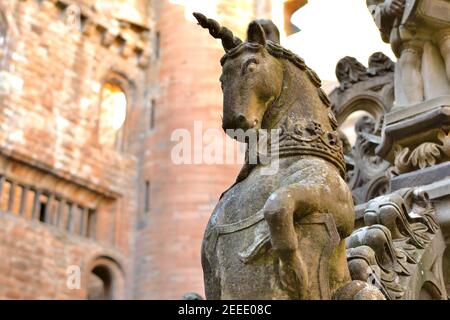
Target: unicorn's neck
x=298 y=101
x=286 y=105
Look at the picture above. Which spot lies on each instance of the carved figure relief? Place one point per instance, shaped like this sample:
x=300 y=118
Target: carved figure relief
x=419 y=34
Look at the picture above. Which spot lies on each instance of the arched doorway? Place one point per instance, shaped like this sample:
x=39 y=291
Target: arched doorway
x=105 y=280
x=100 y=284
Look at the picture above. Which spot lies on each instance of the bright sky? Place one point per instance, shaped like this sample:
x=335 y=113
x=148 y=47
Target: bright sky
x=332 y=29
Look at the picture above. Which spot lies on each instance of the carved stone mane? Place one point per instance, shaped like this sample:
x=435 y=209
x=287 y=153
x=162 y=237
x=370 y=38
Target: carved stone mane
x=279 y=52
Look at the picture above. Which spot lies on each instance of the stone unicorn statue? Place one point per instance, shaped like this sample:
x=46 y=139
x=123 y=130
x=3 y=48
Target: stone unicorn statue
x=279 y=236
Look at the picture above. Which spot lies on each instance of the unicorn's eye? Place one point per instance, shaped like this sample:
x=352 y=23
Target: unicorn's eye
x=250 y=66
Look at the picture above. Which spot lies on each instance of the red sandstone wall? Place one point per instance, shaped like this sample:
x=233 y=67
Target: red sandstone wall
x=35 y=260
x=49 y=139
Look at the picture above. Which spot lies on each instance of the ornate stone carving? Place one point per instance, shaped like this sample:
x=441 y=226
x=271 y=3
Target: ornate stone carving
x=279 y=236
x=380 y=64
x=310 y=140
x=372 y=92
x=425 y=155
x=350 y=71
x=419 y=34
x=366 y=172
x=400 y=248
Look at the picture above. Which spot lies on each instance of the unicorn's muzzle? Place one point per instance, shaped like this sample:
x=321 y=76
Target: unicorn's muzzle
x=239 y=121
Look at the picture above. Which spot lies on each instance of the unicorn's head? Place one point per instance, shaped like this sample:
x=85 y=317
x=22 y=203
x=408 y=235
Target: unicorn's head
x=251 y=77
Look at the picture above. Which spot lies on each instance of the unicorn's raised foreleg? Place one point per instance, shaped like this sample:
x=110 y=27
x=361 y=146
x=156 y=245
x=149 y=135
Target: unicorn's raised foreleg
x=285 y=206
x=279 y=214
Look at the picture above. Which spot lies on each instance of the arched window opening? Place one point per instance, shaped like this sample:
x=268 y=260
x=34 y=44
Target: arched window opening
x=113 y=111
x=100 y=284
x=353 y=125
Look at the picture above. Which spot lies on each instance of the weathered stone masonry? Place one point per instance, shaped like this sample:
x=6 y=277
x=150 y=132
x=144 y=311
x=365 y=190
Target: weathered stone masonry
x=66 y=199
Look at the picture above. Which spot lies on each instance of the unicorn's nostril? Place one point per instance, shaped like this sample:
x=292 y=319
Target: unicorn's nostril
x=240 y=118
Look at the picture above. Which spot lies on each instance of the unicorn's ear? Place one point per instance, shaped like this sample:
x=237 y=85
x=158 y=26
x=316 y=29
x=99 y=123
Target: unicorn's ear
x=256 y=34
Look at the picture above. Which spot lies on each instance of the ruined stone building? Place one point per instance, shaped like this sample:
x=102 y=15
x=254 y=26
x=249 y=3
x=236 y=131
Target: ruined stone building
x=90 y=93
